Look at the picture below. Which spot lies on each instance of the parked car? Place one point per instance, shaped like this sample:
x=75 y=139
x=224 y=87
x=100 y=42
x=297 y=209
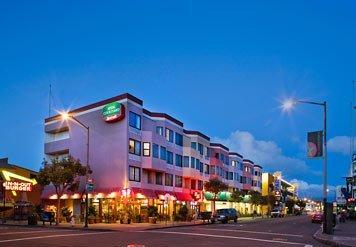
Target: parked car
x=277 y=213
x=317 y=217
x=225 y=215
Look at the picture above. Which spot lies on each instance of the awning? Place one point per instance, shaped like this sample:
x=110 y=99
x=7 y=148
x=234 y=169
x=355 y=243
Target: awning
x=183 y=196
x=149 y=193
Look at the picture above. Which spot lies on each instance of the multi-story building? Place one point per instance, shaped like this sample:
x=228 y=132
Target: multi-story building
x=145 y=155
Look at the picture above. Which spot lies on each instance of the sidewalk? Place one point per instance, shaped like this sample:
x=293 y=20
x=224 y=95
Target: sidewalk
x=125 y=227
x=344 y=235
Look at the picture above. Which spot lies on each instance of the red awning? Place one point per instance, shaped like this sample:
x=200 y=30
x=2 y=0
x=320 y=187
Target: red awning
x=183 y=196
x=149 y=193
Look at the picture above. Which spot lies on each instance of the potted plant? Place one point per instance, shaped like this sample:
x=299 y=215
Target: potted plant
x=152 y=214
x=66 y=213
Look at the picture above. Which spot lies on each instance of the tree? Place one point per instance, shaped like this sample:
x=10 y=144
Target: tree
x=64 y=174
x=301 y=204
x=268 y=201
x=236 y=196
x=215 y=186
x=255 y=198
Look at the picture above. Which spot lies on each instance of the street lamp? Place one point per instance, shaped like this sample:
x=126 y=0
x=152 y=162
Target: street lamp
x=287 y=106
x=66 y=116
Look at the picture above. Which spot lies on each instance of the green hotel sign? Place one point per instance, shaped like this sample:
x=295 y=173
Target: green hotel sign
x=113 y=112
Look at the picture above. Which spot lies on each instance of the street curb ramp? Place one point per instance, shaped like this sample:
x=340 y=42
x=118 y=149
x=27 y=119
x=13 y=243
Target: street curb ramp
x=325 y=239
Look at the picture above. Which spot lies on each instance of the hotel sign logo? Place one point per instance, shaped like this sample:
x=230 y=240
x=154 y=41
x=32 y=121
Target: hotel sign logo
x=17 y=186
x=113 y=112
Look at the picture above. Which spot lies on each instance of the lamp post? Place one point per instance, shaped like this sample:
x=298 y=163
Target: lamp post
x=66 y=116
x=289 y=104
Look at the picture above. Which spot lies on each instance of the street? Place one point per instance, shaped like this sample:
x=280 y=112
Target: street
x=290 y=231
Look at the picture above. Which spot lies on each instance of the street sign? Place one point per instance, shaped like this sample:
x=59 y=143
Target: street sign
x=90 y=187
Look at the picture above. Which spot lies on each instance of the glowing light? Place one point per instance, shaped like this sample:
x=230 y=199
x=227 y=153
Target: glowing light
x=64 y=196
x=288 y=104
x=64 y=115
x=52 y=197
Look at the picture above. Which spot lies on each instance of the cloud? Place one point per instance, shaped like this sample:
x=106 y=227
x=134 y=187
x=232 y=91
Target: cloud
x=266 y=153
x=314 y=191
x=339 y=144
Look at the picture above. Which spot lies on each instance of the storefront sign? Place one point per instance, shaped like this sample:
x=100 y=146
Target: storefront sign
x=113 y=112
x=17 y=186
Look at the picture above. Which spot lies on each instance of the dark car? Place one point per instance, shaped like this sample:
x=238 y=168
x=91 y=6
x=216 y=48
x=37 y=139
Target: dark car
x=317 y=217
x=225 y=215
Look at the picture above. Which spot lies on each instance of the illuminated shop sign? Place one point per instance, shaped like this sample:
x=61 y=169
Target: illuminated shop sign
x=17 y=186
x=113 y=112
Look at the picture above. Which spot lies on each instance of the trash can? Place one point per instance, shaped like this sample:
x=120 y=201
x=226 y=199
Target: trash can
x=32 y=220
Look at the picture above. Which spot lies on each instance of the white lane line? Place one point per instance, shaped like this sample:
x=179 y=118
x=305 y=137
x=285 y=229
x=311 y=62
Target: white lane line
x=24 y=232
x=52 y=236
x=226 y=237
x=246 y=231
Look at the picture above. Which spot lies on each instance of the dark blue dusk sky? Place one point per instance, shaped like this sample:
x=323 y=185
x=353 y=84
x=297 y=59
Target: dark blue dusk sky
x=220 y=68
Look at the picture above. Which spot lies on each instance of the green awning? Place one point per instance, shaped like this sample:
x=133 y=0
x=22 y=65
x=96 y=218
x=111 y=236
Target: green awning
x=222 y=196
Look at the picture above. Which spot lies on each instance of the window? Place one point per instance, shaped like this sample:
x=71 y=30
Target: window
x=200 y=148
x=241 y=166
x=193 y=145
x=197 y=163
x=192 y=162
x=212 y=170
x=170 y=158
x=201 y=167
x=159 y=130
x=163 y=153
x=146 y=149
x=207 y=152
x=206 y=168
x=192 y=184
x=135 y=120
x=179 y=181
x=216 y=155
x=134 y=147
x=169 y=135
x=233 y=163
x=200 y=185
x=149 y=177
x=179 y=139
x=168 y=181
x=179 y=160
x=159 y=178
x=231 y=176
x=186 y=161
x=135 y=174
x=256 y=173
x=155 y=150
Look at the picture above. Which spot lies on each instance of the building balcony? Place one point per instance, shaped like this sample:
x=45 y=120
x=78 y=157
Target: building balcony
x=56 y=147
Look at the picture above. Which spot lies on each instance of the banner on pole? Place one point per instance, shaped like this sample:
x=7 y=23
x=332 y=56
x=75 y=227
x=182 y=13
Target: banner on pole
x=315 y=144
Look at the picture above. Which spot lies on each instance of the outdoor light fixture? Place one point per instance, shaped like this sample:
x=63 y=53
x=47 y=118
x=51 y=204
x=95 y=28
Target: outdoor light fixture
x=288 y=104
x=64 y=115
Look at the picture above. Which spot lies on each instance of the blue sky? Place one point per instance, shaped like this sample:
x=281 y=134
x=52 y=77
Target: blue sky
x=219 y=68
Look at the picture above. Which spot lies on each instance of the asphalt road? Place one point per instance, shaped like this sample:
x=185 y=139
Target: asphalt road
x=291 y=231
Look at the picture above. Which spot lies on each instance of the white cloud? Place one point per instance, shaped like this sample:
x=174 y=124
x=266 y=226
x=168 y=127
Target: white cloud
x=339 y=144
x=312 y=190
x=266 y=153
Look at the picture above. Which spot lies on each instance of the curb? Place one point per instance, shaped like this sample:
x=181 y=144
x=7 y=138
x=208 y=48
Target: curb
x=318 y=235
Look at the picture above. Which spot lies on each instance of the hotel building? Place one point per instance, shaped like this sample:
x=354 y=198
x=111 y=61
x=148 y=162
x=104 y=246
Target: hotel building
x=146 y=156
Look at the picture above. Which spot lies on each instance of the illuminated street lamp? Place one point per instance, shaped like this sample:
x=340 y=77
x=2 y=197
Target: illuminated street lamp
x=65 y=117
x=288 y=105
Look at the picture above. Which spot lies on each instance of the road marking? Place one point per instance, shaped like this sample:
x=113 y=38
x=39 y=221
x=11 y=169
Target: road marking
x=52 y=236
x=24 y=232
x=269 y=233
x=224 y=236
